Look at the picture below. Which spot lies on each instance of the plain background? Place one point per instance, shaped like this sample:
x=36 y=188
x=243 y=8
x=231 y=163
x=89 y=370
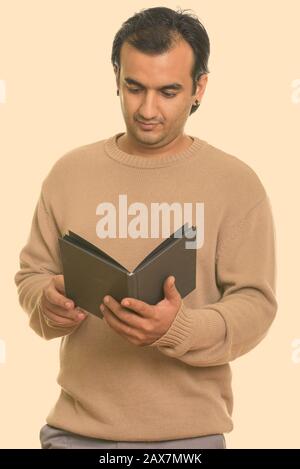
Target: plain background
x=61 y=93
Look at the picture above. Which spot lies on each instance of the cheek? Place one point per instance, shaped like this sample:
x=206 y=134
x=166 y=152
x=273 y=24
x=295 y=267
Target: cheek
x=178 y=112
x=130 y=101
x=130 y=107
x=184 y=111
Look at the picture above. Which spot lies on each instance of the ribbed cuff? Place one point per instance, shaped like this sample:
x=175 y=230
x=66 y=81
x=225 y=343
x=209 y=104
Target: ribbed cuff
x=199 y=329
x=179 y=330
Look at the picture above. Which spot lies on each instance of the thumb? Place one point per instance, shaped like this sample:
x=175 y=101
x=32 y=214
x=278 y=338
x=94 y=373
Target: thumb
x=170 y=290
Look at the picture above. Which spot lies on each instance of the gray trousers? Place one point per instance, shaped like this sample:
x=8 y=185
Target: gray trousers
x=57 y=438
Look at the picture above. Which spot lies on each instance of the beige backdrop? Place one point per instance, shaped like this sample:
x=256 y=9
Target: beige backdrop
x=57 y=92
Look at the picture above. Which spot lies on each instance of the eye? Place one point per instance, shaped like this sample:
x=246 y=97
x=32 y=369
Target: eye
x=169 y=95
x=165 y=93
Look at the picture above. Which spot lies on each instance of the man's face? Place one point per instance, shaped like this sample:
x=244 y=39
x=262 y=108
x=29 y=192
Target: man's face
x=145 y=95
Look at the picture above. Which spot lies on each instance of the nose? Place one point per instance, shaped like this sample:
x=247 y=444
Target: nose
x=148 y=109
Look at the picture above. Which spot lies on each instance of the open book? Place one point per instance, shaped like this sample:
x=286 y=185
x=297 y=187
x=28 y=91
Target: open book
x=90 y=273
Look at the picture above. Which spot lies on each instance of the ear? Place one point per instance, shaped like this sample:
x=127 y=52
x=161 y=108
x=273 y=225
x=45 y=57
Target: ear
x=201 y=85
x=117 y=74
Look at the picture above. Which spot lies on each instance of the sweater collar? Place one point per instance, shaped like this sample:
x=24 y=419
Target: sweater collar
x=113 y=151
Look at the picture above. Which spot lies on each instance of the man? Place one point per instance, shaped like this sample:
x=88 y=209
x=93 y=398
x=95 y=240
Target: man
x=152 y=376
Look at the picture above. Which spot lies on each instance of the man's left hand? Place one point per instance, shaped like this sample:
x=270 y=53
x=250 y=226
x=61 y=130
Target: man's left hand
x=139 y=322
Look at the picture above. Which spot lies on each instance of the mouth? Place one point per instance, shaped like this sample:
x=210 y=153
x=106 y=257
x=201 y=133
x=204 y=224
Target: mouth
x=147 y=126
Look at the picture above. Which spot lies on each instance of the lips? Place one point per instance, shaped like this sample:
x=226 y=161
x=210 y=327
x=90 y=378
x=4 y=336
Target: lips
x=147 y=126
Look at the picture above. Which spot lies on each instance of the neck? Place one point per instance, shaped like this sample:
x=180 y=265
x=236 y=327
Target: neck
x=129 y=145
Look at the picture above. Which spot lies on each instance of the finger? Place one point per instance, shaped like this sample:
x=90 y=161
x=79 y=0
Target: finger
x=138 y=306
x=56 y=298
x=59 y=282
x=71 y=313
x=125 y=315
x=170 y=290
x=118 y=325
x=59 y=320
x=120 y=311
x=74 y=313
x=111 y=303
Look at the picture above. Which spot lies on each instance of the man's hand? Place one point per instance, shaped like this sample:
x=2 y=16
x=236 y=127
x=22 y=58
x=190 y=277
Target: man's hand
x=57 y=309
x=139 y=322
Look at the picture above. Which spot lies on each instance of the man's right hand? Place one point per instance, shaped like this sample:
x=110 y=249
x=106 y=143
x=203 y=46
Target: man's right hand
x=57 y=308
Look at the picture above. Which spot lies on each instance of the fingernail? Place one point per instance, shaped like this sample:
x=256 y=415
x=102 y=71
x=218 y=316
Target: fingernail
x=68 y=304
x=81 y=315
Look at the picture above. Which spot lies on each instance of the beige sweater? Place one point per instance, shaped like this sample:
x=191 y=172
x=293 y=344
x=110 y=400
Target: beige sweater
x=179 y=386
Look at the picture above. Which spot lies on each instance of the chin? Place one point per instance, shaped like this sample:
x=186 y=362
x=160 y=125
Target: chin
x=150 y=138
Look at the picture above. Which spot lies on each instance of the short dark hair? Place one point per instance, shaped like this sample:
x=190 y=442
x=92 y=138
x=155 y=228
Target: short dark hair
x=155 y=31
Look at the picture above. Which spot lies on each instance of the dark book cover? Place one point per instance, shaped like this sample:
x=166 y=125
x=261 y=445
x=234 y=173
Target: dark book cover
x=90 y=273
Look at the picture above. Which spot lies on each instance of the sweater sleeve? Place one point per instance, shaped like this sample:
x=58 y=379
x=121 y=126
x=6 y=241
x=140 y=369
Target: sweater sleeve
x=39 y=262
x=246 y=275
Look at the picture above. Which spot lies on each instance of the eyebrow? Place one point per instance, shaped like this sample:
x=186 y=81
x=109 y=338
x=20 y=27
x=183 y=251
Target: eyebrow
x=171 y=86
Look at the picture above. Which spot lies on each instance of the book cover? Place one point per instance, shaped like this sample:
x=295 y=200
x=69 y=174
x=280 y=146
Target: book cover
x=90 y=273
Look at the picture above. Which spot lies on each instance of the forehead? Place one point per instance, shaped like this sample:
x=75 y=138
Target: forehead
x=173 y=65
